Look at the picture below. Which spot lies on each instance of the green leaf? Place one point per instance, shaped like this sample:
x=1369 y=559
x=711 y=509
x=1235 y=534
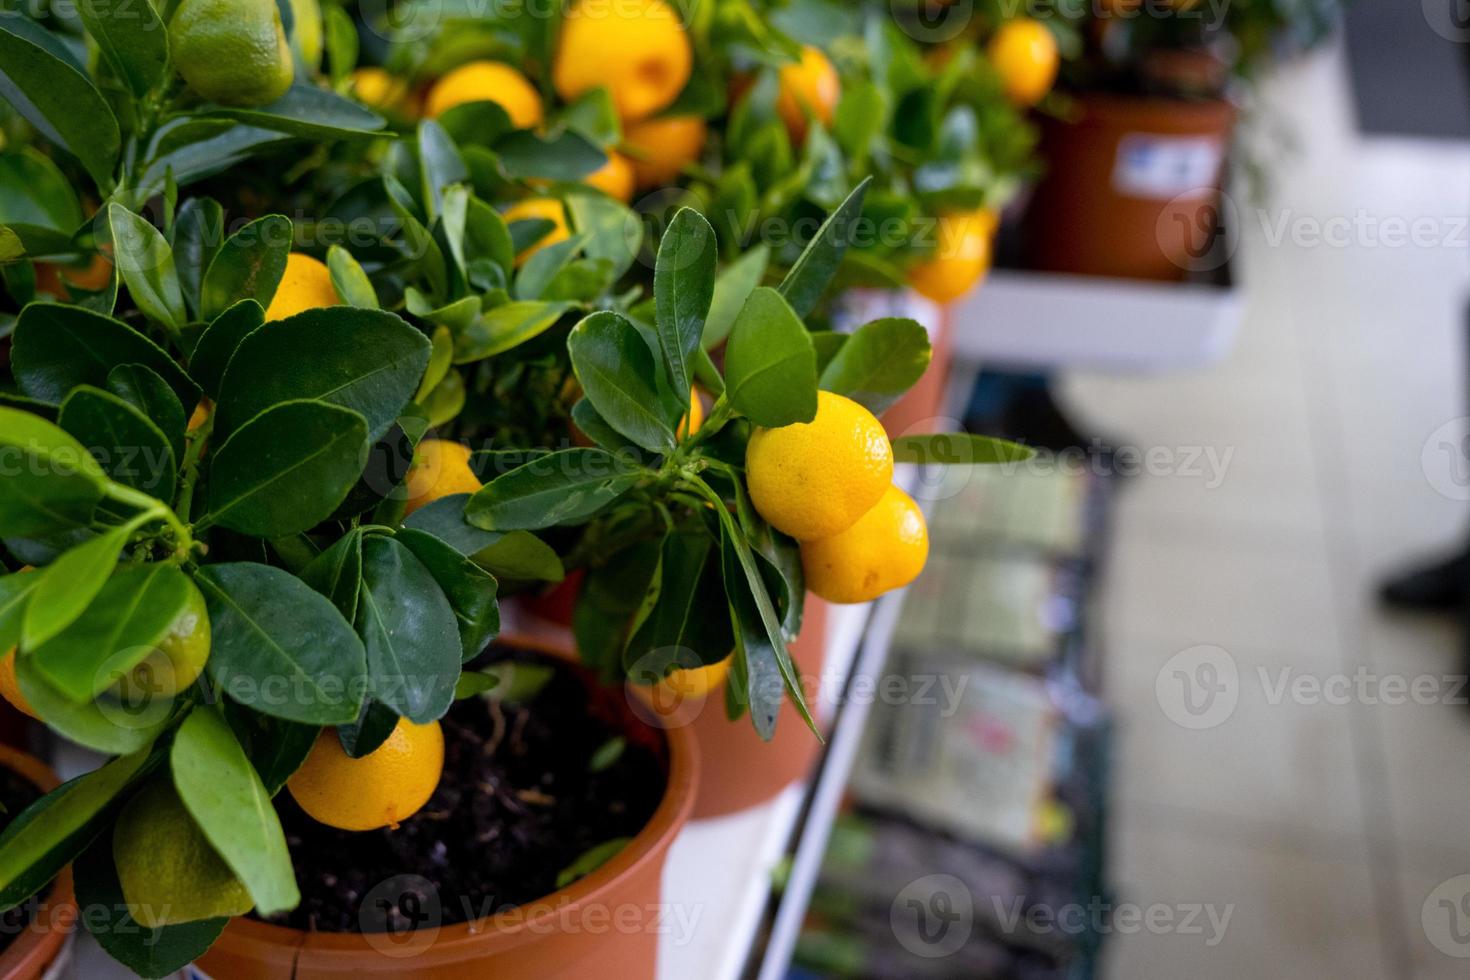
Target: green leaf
x=595 y=116
x=370 y=730
x=596 y=428
x=618 y=374
x=591 y=860
x=132 y=449
x=439 y=164
x=486 y=236
x=56 y=97
x=225 y=797
x=565 y=487
x=144 y=390
x=471 y=590
x=249 y=265
x=58 y=347
x=880 y=361
x=761 y=671
x=219 y=342
x=276 y=747
x=732 y=289
x=544 y=265
x=68 y=584
x=444 y=519
x=770 y=364
x=46 y=835
x=37 y=202
x=367 y=360
x=150 y=953
x=612 y=231
x=818 y=262
x=958 y=449
x=15 y=589
x=53 y=483
x=689 y=623
x=116 y=722
x=504 y=327
x=131 y=613
x=349 y=279
x=683 y=286
x=337 y=573
x=607 y=754
x=565 y=156
x=146 y=264
x=409 y=631
x=271 y=634
x=199 y=232
x=308 y=111
x=521 y=556
x=131 y=37
x=286 y=470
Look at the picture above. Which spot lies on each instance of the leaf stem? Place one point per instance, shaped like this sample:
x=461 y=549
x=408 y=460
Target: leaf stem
x=193 y=451
x=151 y=508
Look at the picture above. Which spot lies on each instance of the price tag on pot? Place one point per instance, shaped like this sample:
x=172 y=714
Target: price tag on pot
x=1164 y=167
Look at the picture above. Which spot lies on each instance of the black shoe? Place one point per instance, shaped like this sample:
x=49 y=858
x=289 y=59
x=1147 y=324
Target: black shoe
x=1441 y=587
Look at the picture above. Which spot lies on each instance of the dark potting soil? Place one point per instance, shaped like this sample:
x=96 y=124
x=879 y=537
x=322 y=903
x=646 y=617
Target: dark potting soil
x=518 y=803
x=16 y=793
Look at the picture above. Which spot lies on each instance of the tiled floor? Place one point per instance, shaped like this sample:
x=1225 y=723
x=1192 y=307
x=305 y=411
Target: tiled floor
x=1323 y=819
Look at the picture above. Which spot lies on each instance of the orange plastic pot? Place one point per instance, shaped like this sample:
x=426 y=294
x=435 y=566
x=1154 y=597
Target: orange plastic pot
x=606 y=924
x=36 y=948
x=1131 y=187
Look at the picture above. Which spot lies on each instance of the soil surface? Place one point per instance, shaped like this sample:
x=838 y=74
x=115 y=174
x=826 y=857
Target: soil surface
x=519 y=802
x=16 y=793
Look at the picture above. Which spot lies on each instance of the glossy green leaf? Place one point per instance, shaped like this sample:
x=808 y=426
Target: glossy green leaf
x=146 y=264
x=46 y=835
x=225 y=797
x=619 y=375
x=219 y=342
x=337 y=573
x=409 y=631
x=349 y=279
x=758 y=686
x=688 y=624
x=68 y=584
x=770 y=365
x=129 y=446
x=308 y=111
x=958 y=449
x=15 y=590
x=276 y=747
x=116 y=722
x=287 y=469
x=279 y=647
x=683 y=286
x=611 y=230
x=54 y=95
x=58 y=347
x=199 y=232
x=369 y=361
x=732 y=288
x=131 y=37
x=565 y=487
x=878 y=363
x=470 y=590
x=249 y=265
x=52 y=483
x=144 y=390
x=504 y=327
x=37 y=202
x=814 y=268
x=566 y=156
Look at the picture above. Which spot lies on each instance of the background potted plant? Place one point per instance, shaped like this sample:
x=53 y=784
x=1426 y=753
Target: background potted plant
x=1135 y=155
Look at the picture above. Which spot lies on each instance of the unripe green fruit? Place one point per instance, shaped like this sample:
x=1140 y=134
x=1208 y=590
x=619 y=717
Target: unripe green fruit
x=233 y=52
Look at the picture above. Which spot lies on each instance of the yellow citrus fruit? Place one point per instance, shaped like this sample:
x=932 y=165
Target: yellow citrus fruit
x=487 y=81
x=549 y=208
x=696 y=682
x=178 y=659
x=382 y=789
x=168 y=870
x=233 y=52
x=305 y=285
x=440 y=468
x=10 y=686
x=691 y=422
x=886 y=549
x=638 y=49
x=816 y=478
x=809 y=85
x=961 y=257
x=660 y=149
x=379 y=88
x=1024 y=53
x=306 y=31
x=614 y=178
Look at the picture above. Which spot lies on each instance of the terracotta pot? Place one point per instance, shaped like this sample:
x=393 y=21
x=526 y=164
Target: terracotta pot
x=604 y=924
x=1131 y=187
x=742 y=771
x=35 y=949
x=913 y=414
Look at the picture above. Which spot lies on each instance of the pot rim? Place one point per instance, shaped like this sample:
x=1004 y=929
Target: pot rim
x=525 y=923
x=38 y=944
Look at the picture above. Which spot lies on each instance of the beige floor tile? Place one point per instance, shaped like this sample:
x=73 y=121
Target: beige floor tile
x=1292 y=915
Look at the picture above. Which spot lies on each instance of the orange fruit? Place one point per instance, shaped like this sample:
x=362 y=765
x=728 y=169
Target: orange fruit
x=814 y=479
x=638 y=49
x=694 y=682
x=614 y=178
x=10 y=686
x=486 y=81
x=53 y=278
x=441 y=468
x=690 y=423
x=885 y=550
x=660 y=149
x=1024 y=53
x=809 y=85
x=549 y=208
x=306 y=285
x=382 y=789
x=961 y=257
